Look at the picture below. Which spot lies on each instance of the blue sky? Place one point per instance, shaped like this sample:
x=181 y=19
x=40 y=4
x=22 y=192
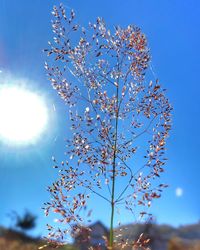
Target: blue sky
x=172 y=29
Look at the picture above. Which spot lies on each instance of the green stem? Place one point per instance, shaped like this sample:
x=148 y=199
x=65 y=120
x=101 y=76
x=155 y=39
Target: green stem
x=111 y=240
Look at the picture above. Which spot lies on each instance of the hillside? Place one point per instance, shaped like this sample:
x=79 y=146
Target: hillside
x=14 y=240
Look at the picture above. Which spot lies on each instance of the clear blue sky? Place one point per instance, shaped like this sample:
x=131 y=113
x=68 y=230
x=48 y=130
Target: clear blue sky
x=172 y=29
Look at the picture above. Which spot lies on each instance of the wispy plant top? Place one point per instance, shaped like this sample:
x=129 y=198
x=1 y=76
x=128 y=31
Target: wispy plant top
x=119 y=120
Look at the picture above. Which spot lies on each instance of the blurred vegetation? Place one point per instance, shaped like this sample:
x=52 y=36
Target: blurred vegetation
x=17 y=240
x=180 y=244
x=20 y=245
x=26 y=222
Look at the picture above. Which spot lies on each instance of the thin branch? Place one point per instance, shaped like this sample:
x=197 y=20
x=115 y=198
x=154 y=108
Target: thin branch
x=103 y=197
x=95 y=192
x=130 y=180
x=146 y=129
x=133 y=176
x=107 y=79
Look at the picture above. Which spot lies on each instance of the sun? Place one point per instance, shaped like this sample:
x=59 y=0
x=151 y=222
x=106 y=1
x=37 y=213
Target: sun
x=23 y=115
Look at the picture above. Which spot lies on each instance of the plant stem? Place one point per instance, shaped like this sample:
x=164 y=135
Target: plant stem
x=111 y=240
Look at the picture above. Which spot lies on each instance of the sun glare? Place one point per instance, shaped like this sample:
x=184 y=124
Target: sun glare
x=23 y=115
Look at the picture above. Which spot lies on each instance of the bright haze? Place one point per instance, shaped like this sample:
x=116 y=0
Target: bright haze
x=172 y=29
x=23 y=115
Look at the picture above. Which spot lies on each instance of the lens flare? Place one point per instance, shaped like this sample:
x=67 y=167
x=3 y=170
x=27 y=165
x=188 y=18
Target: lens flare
x=23 y=115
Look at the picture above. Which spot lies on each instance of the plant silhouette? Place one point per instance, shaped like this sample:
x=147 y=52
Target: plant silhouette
x=25 y=222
